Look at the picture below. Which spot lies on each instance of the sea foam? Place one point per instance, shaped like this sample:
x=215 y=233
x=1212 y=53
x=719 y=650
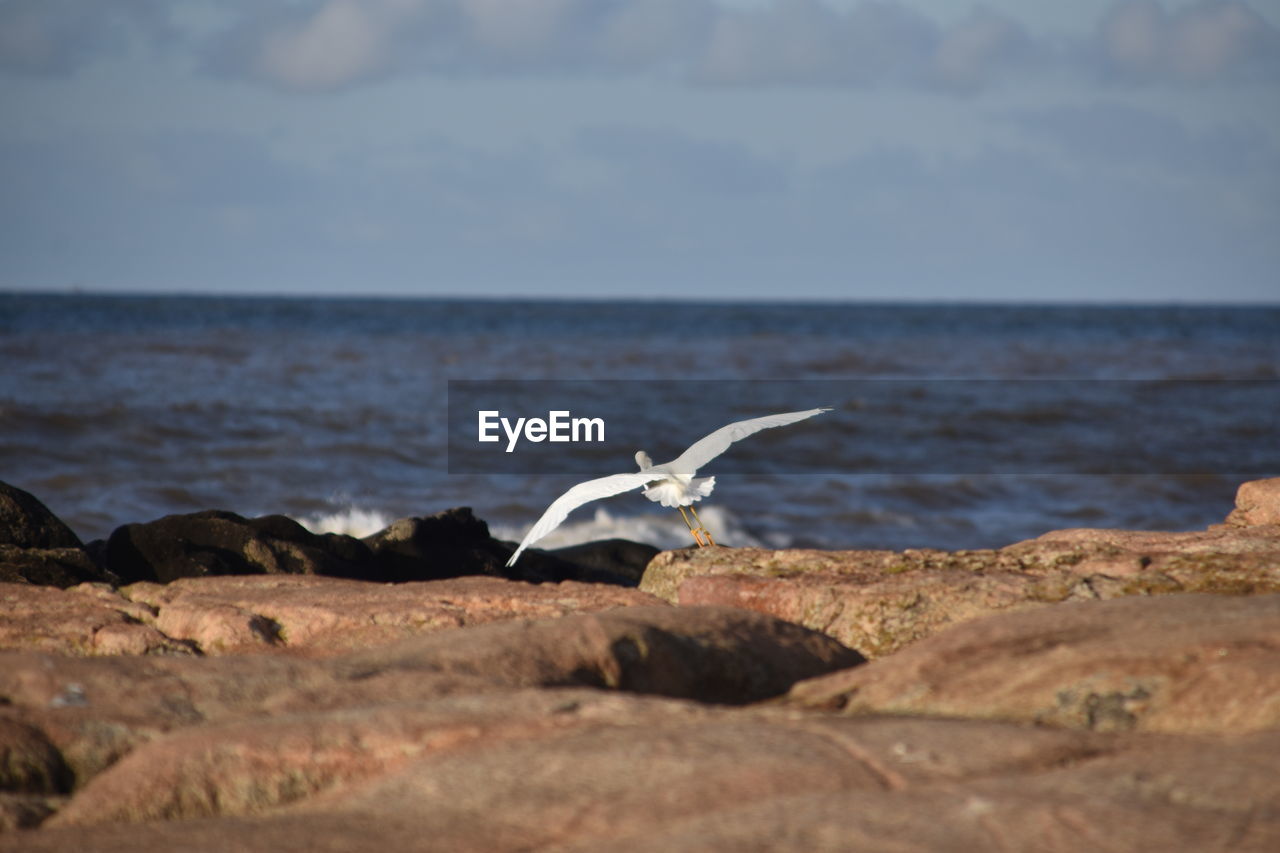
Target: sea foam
x=353 y=521
x=662 y=530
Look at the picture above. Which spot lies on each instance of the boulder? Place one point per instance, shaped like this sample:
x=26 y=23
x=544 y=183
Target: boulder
x=445 y=545
x=26 y=811
x=1220 y=559
x=27 y=523
x=96 y=710
x=597 y=785
x=1257 y=503
x=326 y=616
x=90 y=619
x=522 y=769
x=60 y=567
x=620 y=559
x=882 y=601
x=1033 y=697
x=455 y=543
x=256 y=764
x=583 y=770
x=29 y=762
x=1173 y=663
x=35 y=547
x=214 y=542
x=293 y=614
x=710 y=654
x=875 y=613
x=982 y=816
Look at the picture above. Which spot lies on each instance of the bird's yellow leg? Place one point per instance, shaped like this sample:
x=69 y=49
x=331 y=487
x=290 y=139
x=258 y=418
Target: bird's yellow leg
x=700 y=533
x=687 y=522
x=701 y=526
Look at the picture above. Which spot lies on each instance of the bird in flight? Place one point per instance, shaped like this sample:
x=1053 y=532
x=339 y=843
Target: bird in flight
x=670 y=484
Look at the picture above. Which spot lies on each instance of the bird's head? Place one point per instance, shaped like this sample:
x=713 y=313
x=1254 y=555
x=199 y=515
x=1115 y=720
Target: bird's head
x=643 y=460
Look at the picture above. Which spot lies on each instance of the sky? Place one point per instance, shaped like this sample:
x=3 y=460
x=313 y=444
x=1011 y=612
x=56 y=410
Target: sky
x=1014 y=150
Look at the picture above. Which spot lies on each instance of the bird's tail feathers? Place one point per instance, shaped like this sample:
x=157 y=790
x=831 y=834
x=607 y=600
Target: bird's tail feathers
x=672 y=494
x=703 y=486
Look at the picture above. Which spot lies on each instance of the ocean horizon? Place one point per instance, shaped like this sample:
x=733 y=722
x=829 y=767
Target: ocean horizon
x=117 y=408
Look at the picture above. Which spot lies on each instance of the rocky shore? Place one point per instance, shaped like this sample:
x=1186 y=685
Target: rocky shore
x=213 y=682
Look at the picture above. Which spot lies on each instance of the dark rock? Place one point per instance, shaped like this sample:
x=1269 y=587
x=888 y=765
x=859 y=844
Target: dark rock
x=617 y=557
x=97 y=551
x=345 y=548
x=61 y=567
x=215 y=542
x=454 y=543
x=29 y=763
x=27 y=523
x=448 y=544
x=24 y=811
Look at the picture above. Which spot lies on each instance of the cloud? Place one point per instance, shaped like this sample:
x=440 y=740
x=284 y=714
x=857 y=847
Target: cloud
x=1206 y=41
x=330 y=44
x=339 y=43
x=59 y=37
x=809 y=42
x=342 y=41
x=318 y=46
x=593 y=35
x=327 y=45
x=970 y=54
x=49 y=36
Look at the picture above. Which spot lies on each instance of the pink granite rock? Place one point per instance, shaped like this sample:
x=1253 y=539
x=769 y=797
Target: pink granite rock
x=1153 y=794
x=89 y=619
x=1174 y=663
x=96 y=710
x=1257 y=503
x=521 y=770
x=627 y=773
x=882 y=601
x=257 y=764
x=298 y=614
x=324 y=616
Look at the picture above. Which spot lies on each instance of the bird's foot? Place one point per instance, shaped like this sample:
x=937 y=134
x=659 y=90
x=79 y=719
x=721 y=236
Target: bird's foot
x=700 y=533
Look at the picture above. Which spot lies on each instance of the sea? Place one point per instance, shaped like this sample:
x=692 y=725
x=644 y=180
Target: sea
x=334 y=411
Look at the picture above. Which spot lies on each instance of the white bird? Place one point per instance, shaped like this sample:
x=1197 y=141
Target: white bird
x=670 y=484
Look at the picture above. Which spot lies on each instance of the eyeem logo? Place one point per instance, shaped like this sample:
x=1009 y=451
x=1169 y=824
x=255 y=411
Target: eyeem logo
x=559 y=426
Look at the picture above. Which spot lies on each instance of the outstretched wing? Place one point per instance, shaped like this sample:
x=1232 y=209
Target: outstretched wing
x=706 y=449
x=591 y=490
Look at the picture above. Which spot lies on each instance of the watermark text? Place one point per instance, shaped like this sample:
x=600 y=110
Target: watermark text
x=559 y=425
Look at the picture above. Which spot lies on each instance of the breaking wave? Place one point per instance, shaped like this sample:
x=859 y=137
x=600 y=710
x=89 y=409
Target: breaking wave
x=662 y=530
x=353 y=521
